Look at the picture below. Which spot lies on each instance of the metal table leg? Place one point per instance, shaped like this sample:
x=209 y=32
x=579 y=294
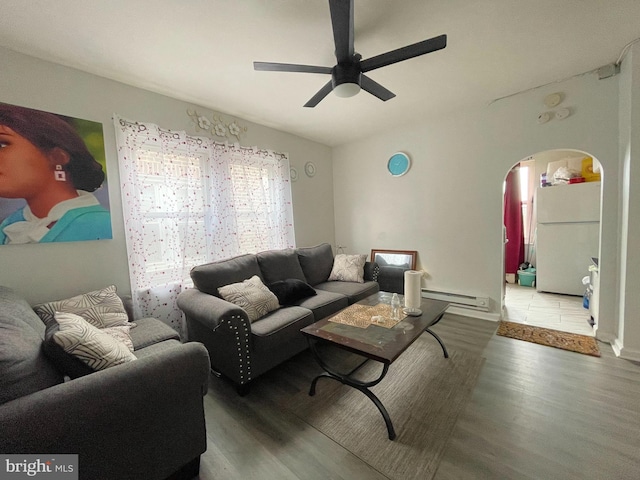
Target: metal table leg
x=428 y=330
x=346 y=379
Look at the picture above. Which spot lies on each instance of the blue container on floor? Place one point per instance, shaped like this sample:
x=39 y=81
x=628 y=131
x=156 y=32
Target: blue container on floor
x=527 y=277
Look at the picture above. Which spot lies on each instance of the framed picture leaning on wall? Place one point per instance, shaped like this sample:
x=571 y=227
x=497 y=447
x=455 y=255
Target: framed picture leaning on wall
x=395 y=258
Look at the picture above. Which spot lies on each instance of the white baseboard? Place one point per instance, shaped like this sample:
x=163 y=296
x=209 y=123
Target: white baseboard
x=468 y=312
x=626 y=353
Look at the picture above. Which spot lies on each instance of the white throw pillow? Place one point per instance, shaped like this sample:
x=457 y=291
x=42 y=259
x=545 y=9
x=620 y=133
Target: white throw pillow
x=101 y=308
x=348 y=268
x=252 y=296
x=97 y=349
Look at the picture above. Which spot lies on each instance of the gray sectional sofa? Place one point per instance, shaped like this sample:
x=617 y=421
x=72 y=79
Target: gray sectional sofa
x=242 y=350
x=139 y=420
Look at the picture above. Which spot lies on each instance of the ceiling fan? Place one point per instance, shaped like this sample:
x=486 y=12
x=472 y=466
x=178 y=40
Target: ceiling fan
x=348 y=75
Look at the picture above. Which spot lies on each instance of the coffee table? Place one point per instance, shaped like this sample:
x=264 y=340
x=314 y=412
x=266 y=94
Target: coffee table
x=375 y=342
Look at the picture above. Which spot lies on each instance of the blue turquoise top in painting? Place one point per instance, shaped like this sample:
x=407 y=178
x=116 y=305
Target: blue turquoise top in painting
x=84 y=223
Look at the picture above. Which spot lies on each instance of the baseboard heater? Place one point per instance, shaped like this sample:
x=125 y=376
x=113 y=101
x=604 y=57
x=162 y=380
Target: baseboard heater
x=458 y=299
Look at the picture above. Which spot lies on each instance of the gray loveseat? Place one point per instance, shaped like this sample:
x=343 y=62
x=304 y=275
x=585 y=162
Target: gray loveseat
x=139 y=420
x=241 y=350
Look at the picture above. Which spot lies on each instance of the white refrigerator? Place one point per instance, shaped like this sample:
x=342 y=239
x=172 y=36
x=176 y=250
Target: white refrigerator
x=567 y=236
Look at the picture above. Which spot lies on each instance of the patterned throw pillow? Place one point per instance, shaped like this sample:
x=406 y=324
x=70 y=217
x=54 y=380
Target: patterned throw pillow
x=348 y=268
x=252 y=296
x=67 y=363
x=95 y=348
x=101 y=308
x=120 y=333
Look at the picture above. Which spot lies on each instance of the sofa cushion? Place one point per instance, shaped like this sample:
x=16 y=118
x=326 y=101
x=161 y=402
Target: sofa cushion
x=354 y=291
x=277 y=265
x=280 y=319
x=316 y=262
x=149 y=331
x=208 y=278
x=268 y=332
x=252 y=296
x=348 y=268
x=291 y=291
x=156 y=348
x=101 y=308
x=276 y=337
x=325 y=303
x=24 y=368
x=94 y=347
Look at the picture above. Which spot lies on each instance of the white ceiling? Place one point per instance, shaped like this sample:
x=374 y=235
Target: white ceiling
x=202 y=51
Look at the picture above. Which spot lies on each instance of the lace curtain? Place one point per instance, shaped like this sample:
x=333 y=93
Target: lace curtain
x=190 y=200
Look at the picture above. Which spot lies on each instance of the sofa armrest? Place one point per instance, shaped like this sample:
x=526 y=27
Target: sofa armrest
x=207 y=309
x=371 y=270
x=142 y=419
x=224 y=328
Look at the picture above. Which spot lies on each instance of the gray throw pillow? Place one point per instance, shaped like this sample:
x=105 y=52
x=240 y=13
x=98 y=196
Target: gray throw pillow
x=208 y=278
x=277 y=265
x=316 y=262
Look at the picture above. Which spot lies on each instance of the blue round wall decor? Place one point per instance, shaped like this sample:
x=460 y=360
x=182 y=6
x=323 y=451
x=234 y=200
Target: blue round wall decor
x=399 y=164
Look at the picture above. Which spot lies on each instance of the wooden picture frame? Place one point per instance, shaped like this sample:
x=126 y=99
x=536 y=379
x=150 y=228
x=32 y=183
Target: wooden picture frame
x=395 y=258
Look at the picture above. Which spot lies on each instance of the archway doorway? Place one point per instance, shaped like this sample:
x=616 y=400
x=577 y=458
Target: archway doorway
x=560 y=235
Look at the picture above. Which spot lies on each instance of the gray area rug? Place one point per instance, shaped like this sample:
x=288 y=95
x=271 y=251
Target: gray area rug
x=423 y=392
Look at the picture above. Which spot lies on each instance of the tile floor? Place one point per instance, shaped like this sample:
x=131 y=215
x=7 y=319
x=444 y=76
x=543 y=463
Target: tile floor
x=548 y=310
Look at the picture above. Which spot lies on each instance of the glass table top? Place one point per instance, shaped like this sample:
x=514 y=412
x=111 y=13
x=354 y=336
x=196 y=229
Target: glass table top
x=377 y=342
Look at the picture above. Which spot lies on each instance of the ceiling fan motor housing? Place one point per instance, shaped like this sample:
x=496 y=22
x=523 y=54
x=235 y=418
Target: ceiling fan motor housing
x=345 y=73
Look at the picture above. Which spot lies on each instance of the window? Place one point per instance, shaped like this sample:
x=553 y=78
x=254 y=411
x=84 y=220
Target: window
x=172 y=202
x=258 y=198
x=188 y=201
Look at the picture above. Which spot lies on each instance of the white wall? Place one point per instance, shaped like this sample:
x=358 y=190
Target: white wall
x=449 y=206
x=627 y=342
x=47 y=272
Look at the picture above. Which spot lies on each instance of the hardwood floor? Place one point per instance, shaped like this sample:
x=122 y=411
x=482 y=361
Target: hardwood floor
x=536 y=413
x=540 y=412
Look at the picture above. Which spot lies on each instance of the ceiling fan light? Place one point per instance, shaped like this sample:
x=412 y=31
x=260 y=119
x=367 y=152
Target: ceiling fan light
x=346 y=90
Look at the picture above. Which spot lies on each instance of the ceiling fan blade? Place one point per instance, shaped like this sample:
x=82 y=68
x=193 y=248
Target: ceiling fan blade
x=289 y=67
x=342 y=23
x=323 y=92
x=375 y=89
x=404 y=53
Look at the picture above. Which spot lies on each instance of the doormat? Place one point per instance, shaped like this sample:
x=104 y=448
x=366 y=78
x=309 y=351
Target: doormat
x=550 y=338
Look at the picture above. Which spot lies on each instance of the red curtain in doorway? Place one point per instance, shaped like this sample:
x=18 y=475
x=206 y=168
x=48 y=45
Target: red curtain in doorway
x=514 y=249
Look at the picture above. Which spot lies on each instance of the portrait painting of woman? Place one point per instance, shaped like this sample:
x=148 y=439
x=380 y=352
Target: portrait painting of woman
x=48 y=178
